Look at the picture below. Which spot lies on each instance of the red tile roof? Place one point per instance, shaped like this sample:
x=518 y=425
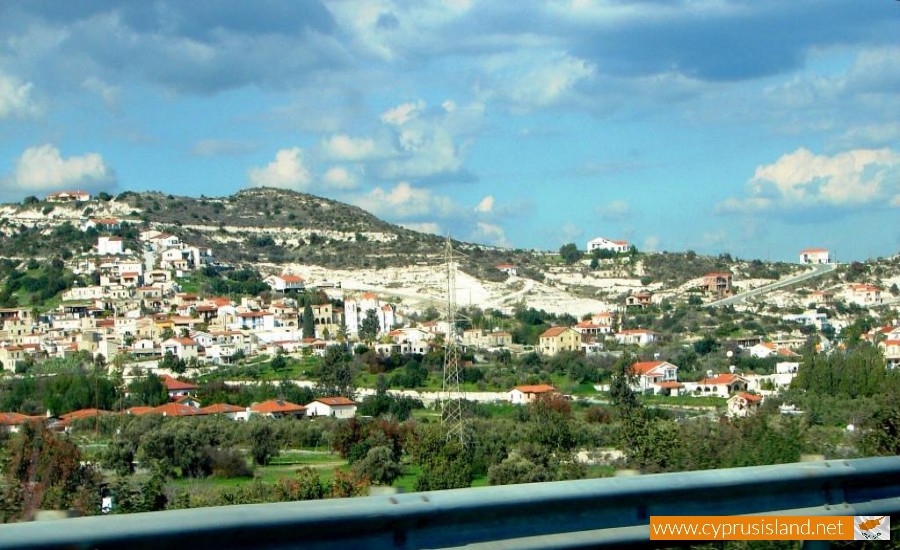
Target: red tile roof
x=173 y=384
x=221 y=408
x=670 y=385
x=84 y=413
x=644 y=367
x=139 y=410
x=727 y=379
x=750 y=397
x=335 y=401
x=276 y=406
x=538 y=388
x=291 y=278
x=176 y=409
x=553 y=332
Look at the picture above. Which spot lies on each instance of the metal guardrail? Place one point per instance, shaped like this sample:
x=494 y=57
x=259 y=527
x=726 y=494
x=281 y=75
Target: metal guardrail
x=566 y=514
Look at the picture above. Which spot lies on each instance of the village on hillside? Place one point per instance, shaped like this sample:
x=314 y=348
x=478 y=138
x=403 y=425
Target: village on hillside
x=114 y=342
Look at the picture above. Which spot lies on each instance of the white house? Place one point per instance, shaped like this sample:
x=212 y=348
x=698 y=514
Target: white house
x=815 y=256
x=601 y=243
x=659 y=376
x=638 y=337
x=743 y=404
x=255 y=320
x=338 y=407
x=891 y=350
x=863 y=295
x=509 y=269
x=285 y=283
x=768 y=349
x=69 y=196
x=110 y=246
x=521 y=395
x=182 y=348
x=721 y=385
x=356 y=309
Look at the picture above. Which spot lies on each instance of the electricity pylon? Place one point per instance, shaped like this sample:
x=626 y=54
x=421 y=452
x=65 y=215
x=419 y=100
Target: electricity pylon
x=451 y=396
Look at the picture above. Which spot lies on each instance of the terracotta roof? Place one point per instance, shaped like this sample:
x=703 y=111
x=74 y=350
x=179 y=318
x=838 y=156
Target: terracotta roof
x=276 y=406
x=670 y=385
x=251 y=314
x=173 y=384
x=644 y=367
x=891 y=342
x=538 y=388
x=176 y=409
x=553 y=331
x=15 y=419
x=221 y=408
x=505 y=266
x=290 y=278
x=335 y=401
x=368 y=296
x=635 y=331
x=139 y=410
x=726 y=379
x=84 y=413
x=813 y=250
x=750 y=397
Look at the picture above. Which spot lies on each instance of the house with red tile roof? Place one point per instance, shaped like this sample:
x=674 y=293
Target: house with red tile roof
x=276 y=408
x=285 y=282
x=338 y=407
x=228 y=411
x=557 y=339
x=12 y=422
x=509 y=269
x=522 y=395
x=815 y=256
x=720 y=385
x=176 y=388
x=659 y=377
x=176 y=409
x=743 y=404
x=635 y=337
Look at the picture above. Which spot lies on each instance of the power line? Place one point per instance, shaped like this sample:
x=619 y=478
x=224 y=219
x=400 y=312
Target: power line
x=451 y=396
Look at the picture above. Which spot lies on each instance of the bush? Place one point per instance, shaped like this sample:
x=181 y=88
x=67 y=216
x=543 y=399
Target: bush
x=229 y=463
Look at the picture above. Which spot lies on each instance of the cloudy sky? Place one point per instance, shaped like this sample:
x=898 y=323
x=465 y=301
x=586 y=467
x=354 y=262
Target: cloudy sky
x=753 y=127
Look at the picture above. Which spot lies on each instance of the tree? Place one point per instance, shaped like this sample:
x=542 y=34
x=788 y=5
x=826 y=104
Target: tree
x=369 y=327
x=265 y=446
x=334 y=375
x=445 y=463
x=309 y=325
x=378 y=466
x=148 y=390
x=569 y=253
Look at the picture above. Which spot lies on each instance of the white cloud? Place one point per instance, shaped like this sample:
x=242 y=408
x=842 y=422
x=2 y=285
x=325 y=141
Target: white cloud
x=15 y=98
x=43 y=168
x=406 y=201
x=401 y=114
x=486 y=205
x=651 y=244
x=802 y=179
x=616 y=210
x=491 y=234
x=529 y=80
x=338 y=177
x=424 y=227
x=107 y=93
x=345 y=148
x=221 y=148
x=287 y=171
x=570 y=233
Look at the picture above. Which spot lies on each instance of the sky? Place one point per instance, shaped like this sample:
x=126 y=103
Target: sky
x=755 y=128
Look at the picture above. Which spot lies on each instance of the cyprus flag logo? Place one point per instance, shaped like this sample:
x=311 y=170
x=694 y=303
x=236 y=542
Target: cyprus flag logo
x=872 y=528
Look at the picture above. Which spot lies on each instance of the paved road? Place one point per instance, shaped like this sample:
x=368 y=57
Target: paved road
x=817 y=271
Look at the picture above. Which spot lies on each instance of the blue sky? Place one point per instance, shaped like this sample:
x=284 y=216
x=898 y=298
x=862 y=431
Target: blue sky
x=751 y=127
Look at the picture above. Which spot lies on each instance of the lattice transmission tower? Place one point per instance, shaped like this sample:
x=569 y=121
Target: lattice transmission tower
x=451 y=396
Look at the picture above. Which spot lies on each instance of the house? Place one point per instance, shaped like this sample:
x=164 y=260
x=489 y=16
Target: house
x=176 y=409
x=226 y=410
x=103 y=224
x=356 y=309
x=815 y=256
x=635 y=337
x=110 y=246
x=255 y=320
x=743 y=404
x=590 y=331
x=276 y=408
x=521 y=395
x=182 y=348
x=509 y=269
x=338 y=407
x=718 y=283
x=601 y=243
x=557 y=339
x=176 y=388
x=188 y=400
x=891 y=350
x=12 y=422
x=768 y=349
x=721 y=385
x=639 y=300
x=660 y=377
x=69 y=196
x=863 y=295
x=285 y=283
x=65 y=420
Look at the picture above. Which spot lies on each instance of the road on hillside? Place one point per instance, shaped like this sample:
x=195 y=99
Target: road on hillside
x=817 y=271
